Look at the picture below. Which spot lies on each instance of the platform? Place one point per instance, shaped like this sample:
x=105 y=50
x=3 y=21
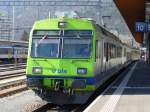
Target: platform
x=129 y=93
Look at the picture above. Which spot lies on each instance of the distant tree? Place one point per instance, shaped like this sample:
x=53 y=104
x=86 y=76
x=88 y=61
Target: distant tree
x=24 y=36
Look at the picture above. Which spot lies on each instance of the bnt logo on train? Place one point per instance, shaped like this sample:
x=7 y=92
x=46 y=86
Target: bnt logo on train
x=54 y=70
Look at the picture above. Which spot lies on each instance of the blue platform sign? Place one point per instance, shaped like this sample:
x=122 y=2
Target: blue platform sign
x=148 y=27
x=141 y=27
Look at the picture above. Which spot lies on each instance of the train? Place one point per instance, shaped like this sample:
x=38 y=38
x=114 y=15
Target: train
x=12 y=53
x=70 y=58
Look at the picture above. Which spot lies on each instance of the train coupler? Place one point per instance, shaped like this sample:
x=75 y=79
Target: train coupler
x=59 y=85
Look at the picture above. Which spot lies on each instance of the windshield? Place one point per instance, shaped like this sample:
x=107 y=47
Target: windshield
x=69 y=44
x=76 y=48
x=46 y=48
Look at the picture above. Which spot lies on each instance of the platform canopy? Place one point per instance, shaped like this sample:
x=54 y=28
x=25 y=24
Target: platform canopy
x=132 y=11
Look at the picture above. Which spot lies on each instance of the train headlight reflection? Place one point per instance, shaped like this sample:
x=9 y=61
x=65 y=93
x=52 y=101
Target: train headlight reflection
x=81 y=70
x=62 y=24
x=37 y=70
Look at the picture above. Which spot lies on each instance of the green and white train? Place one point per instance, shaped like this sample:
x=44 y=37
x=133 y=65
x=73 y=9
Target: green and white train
x=69 y=58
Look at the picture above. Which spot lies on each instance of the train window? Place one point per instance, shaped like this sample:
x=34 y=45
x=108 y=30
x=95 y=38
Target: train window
x=98 y=52
x=5 y=50
x=111 y=54
x=96 y=49
x=110 y=46
x=17 y=51
x=2 y=51
x=77 y=48
x=109 y=50
x=119 y=51
x=106 y=51
x=46 y=32
x=124 y=51
x=26 y=51
x=48 y=48
x=20 y=52
x=112 y=51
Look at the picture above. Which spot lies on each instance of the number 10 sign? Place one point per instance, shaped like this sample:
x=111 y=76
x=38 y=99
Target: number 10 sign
x=142 y=27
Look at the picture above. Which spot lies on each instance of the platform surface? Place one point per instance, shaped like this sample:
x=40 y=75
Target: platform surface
x=129 y=93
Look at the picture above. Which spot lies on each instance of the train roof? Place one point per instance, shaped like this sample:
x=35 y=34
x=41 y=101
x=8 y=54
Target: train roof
x=72 y=23
x=107 y=33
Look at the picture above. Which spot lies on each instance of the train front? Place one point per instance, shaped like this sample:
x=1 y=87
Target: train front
x=61 y=60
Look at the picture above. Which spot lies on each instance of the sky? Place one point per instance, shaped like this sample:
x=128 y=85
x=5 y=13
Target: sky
x=26 y=15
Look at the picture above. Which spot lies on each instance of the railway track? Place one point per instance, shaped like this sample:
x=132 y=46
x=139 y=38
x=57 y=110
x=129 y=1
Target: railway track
x=12 y=79
x=10 y=65
x=11 y=74
x=3 y=69
x=80 y=108
x=20 y=85
x=12 y=88
x=10 y=71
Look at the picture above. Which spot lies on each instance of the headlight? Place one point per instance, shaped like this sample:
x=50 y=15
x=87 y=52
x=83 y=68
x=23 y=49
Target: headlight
x=81 y=70
x=62 y=24
x=37 y=70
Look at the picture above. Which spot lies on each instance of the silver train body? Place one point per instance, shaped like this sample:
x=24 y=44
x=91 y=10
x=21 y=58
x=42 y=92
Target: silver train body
x=111 y=55
x=12 y=53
